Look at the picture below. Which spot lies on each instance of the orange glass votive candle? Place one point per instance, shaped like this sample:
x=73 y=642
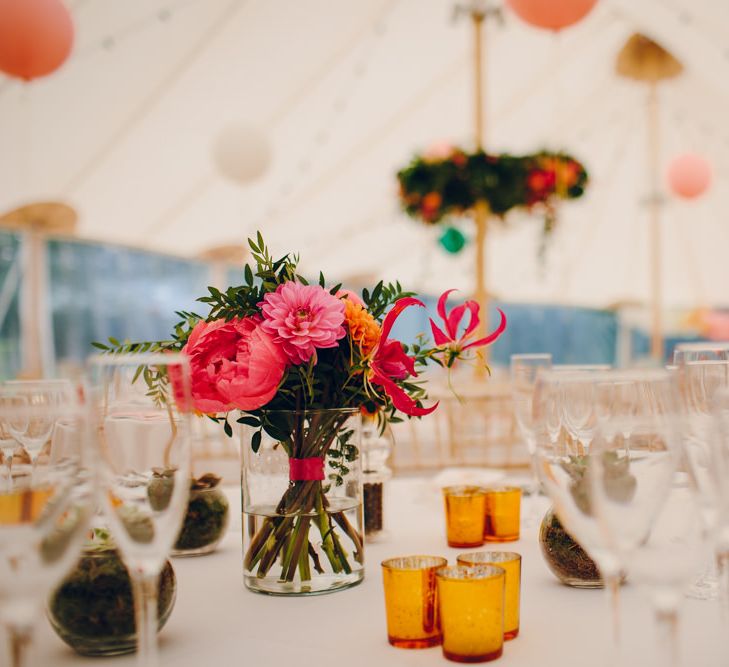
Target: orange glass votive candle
x=503 y=514
x=411 y=601
x=471 y=604
x=510 y=562
x=465 y=510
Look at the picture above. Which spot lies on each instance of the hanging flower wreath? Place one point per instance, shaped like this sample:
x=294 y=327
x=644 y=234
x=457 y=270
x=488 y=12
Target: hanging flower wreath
x=449 y=182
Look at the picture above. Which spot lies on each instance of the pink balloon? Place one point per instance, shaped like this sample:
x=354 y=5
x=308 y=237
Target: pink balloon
x=551 y=14
x=441 y=150
x=689 y=175
x=717 y=325
x=36 y=37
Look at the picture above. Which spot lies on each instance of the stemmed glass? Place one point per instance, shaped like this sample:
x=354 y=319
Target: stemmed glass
x=665 y=564
x=7 y=445
x=561 y=462
x=143 y=439
x=43 y=517
x=720 y=480
x=700 y=383
x=34 y=433
x=524 y=369
x=631 y=465
x=575 y=415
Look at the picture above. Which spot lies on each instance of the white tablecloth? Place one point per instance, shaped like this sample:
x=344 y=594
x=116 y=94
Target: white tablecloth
x=217 y=622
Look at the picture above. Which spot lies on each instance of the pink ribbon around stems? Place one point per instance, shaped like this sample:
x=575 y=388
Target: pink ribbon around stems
x=306 y=470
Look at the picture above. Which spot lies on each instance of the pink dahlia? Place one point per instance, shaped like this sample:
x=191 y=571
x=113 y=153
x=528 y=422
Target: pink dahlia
x=302 y=319
x=233 y=364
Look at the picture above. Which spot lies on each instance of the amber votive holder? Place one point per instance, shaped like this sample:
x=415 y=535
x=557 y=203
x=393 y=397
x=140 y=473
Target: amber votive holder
x=503 y=514
x=471 y=604
x=510 y=562
x=411 y=600
x=465 y=510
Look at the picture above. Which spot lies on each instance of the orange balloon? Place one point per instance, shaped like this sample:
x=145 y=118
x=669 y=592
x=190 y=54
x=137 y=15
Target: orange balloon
x=36 y=37
x=689 y=175
x=551 y=14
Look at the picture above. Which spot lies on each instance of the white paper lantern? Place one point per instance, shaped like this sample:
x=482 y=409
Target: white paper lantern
x=242 y=153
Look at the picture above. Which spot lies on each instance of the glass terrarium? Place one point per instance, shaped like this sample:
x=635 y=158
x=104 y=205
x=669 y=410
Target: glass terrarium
x=206 y=518
x=92 y=610
x=567 y=560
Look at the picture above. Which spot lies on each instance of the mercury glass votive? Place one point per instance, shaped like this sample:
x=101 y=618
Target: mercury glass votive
x=465 y=510
x=510 y=562
x=503 y=514
x=411 y=600
x=471 y=604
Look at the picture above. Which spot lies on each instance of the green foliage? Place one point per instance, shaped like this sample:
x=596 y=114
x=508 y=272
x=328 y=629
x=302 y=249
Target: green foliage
x=382 y=297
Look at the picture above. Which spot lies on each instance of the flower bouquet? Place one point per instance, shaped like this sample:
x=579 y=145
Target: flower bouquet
x=294 y=363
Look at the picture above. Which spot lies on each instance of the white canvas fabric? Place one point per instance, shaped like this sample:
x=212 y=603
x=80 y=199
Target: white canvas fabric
x=345 y=93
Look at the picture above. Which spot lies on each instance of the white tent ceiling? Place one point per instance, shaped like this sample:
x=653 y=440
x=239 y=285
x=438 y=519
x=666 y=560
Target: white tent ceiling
x=346 y=92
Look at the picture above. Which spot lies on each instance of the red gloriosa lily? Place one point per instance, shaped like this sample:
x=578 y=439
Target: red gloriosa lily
x=452 y=321
x=389 y=363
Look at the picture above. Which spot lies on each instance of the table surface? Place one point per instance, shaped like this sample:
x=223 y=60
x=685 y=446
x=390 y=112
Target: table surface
x=217 y=622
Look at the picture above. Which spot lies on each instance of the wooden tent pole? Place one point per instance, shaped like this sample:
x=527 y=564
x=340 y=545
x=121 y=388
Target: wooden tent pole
x=478 y=69
x=646 y=61
x=657 y=343
x=481 y=211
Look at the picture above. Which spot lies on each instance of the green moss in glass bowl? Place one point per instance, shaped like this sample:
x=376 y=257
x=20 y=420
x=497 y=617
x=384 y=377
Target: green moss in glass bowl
x=206 y=518
x=92 y=610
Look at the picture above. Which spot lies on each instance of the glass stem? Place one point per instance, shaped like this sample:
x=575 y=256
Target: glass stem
x=612 y=588
x=145 y=587
x=722 y=565
x=20 y=638
x=532 y=514
x=667 y=627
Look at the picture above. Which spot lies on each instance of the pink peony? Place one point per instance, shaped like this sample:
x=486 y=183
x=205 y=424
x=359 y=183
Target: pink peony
x=302 y=319
x=233 y=364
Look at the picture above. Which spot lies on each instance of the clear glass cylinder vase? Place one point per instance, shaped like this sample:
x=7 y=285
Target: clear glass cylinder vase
x=302 y=503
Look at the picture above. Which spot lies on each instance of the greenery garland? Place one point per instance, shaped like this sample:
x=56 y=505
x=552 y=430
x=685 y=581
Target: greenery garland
x=436 y=186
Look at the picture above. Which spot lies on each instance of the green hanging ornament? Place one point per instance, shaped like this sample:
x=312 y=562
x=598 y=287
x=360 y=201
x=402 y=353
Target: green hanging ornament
x=452 y=240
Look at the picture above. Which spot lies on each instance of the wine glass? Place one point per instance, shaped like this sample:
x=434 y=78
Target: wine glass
x=43 y=517
x=633 y=459
x=34 y=433
x=524 y=369
x=719 y=478
x=700 y=382
x=7 y=444
x=561 y=462
x=143 y=443
x=564 y=454
x=665 y=563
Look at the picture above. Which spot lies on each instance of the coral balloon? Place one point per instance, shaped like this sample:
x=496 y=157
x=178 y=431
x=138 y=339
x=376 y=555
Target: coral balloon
x=717 y=325
x=36 y=37
x=242 y=153
x=689 y=175
x=551 y=14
